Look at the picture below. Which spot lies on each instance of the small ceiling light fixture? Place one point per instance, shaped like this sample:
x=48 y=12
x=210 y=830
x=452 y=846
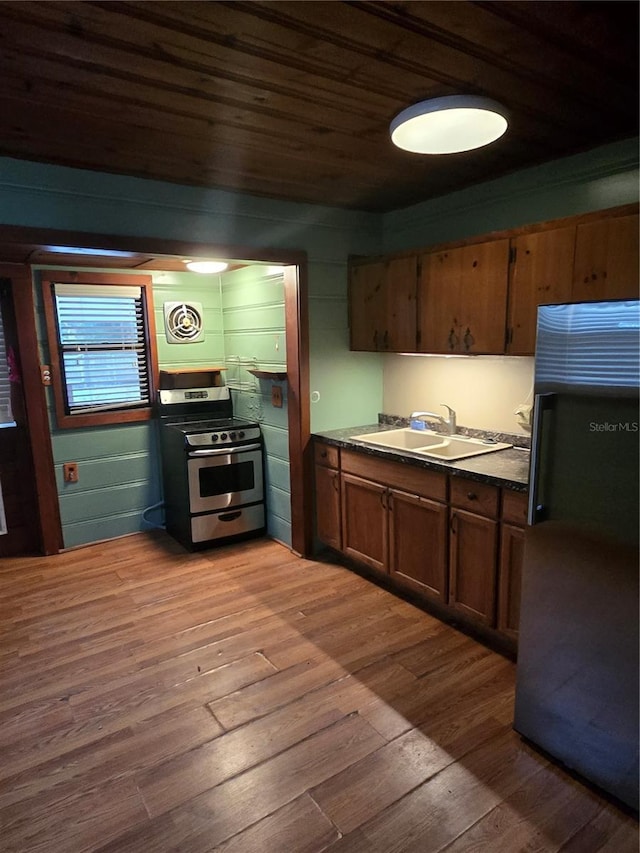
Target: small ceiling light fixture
x=449 y=125
x=206 y=266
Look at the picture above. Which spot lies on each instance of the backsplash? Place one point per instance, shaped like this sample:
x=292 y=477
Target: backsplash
x=485 y=391
x=516 y=439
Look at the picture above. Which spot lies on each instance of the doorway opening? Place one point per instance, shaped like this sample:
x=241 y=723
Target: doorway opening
x=45 y=248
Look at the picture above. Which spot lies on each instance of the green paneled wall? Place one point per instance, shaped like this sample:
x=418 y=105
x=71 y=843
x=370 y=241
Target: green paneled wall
x=253 y=320
x=189 y=287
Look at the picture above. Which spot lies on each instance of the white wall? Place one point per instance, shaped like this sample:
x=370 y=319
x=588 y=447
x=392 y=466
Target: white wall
x=484 y=390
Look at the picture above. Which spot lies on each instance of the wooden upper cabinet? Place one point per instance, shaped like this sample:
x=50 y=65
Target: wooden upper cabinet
x=382 y=305
x=463 y=299
x=401 y=288
x=606 y=259
x=366 y=305
x=541 y=271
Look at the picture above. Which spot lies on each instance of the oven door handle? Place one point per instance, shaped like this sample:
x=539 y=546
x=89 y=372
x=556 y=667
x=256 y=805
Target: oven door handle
x=224 y=451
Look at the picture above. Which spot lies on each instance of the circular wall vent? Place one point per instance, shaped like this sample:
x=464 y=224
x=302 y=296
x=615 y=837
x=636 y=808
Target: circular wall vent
x=183 y=322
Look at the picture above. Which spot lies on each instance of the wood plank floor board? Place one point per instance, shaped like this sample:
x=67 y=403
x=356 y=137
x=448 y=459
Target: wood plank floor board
x=126 y=752
x=242 y=699
x=298 y=827
x=542 y=816
x=263 y=738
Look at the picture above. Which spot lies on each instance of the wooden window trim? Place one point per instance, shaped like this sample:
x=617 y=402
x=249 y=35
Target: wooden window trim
x=67 y=421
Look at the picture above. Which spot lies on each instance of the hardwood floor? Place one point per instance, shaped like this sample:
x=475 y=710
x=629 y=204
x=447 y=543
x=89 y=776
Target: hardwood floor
x=242 y=699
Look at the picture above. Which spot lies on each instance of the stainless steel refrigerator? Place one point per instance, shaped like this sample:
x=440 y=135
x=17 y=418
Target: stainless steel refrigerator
x=577 y=671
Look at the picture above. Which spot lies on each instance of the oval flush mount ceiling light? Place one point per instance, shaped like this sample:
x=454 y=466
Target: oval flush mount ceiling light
x=449 y=125
x=206 y=266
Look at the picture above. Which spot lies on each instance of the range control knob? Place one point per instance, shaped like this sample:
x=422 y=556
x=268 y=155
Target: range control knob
x=224 y=436
x=214 y=437
x=232 y=435
x=241 y=434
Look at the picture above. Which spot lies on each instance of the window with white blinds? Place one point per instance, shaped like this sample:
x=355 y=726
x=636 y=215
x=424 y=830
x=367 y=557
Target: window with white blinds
x=102 y=347
x=6 y=415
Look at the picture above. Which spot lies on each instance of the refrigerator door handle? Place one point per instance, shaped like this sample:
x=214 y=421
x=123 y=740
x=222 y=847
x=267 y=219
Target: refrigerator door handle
x=542 y=408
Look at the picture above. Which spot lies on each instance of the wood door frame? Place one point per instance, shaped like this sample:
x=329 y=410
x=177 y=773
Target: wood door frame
x=36 y=406
x=297 y=344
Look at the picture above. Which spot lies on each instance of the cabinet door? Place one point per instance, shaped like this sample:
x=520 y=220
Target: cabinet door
x=541 y=271
x=367 y=306
x=511 y=550
x=472 y=566
x=364 y=521
x=328 y=506
x=483 y=293
x=418 y=544
x=400 y=325
x=463 y=299
x=606 y=260
x=439 y=298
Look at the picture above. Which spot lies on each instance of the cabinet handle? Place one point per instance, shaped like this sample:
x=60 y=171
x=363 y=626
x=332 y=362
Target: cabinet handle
x=385 y=340
x=390 y=502
x=452 y=526
x=323 y=454
x=468 y=339
x=375 y=339
x=382 y=500
x=452 y=339
x=472 y=496
x=336 y=483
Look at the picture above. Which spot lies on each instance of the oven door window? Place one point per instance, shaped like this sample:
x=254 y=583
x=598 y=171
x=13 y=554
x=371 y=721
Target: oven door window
x=236 y=476
x=217 y=482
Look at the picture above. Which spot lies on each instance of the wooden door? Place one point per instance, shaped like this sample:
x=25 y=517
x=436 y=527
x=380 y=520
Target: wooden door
x=439 y=296
x=367 y=306
x=472 y=566
x=401 y=286
x=418 y=544
x=541 y=271
x=483 y=294
x=606 y=259
x=364 y=521
x=328 y=506
x=510 y=579
x=26 y=464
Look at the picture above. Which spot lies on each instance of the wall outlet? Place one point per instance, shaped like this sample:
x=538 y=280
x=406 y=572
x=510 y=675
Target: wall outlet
x=70 y=472
x=276 y=396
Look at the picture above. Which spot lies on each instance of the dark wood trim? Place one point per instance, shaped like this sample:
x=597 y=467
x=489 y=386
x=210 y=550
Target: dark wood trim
x=300 y=449
x=64 y=420
x=40 y=238
x=506 y=234
x=36 y=407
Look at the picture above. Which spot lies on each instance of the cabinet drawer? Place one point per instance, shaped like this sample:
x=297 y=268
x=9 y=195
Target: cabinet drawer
x=514 y=507
x=480 y=498
x=327 y=455
x=407 y=478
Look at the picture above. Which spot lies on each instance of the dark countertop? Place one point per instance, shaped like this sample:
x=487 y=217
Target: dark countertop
x=506 y=468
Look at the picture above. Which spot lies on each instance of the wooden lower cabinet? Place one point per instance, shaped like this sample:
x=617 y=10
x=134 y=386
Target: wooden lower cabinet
x=473 y=554
x=510 y=573
x=417 y=544
x=453 y=541
x=364 y=521
x=327 y=493
x=328 y=522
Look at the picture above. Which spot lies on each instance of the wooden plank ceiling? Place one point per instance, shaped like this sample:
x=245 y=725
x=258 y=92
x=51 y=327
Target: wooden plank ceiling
x=293 y=100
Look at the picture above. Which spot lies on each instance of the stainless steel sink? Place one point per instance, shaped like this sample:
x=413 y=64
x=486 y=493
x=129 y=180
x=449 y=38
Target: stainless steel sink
x=445 y=447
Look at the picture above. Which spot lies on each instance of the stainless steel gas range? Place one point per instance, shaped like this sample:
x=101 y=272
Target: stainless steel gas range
x=212 y=468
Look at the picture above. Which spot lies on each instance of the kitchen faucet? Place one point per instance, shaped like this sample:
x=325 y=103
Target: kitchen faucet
x=449 y=422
